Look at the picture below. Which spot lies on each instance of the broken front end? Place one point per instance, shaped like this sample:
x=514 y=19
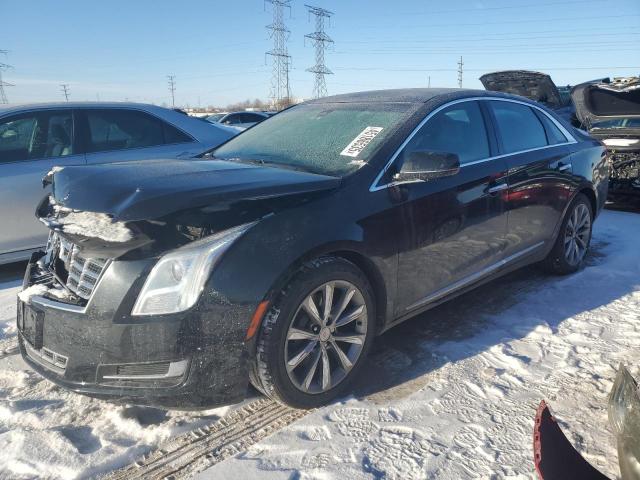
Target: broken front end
x=610 y=111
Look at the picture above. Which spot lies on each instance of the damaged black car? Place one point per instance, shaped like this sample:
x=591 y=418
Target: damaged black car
x=280 y=256
x=610 y=111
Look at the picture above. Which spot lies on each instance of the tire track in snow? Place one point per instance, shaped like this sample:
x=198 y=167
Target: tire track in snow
x=188 y=454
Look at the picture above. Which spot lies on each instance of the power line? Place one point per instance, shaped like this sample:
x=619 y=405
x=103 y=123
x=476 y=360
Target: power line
x=280 y=92
x=320 y=39
x=460 y=64
x=4 y=66
x=172 y=89
x=65 y=90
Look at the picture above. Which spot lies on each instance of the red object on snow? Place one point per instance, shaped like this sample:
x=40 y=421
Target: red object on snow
x=554 y=456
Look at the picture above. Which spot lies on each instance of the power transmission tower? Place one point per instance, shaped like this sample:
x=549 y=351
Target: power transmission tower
x=280 y=93
x=172 y=89
x=460 y=72
x=65 y=91
x=4 y=66
x=320 y=40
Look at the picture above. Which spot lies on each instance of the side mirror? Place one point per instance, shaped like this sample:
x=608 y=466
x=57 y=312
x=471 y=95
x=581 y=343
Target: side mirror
x=423 y=166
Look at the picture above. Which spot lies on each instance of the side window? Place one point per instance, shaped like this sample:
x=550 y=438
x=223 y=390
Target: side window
x=119 y=129
x=458 y=129
x=232 y=119
x=252 y=118
x=554 y=135
x=173 y=135
x=520 y=128
x=36 y=135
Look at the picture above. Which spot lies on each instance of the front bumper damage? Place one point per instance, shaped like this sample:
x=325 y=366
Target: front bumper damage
x=195 y=359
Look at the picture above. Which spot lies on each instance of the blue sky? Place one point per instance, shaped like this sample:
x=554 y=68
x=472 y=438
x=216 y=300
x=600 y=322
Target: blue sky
x=117 y=50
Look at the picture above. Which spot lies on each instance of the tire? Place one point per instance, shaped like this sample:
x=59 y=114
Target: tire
x=291 y=340
x=564 y=258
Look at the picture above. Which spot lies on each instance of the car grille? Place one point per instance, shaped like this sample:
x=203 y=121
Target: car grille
x=81 y=273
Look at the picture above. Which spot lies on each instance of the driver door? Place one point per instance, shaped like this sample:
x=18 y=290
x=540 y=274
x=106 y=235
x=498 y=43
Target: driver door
x=454 y=227
x=31 y=144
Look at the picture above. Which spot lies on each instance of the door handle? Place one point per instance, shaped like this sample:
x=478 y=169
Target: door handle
x=497 y=188
x=562 y=167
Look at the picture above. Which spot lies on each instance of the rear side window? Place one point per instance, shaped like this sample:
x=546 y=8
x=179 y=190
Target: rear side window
x=119 y=129
x=520 y=128
x=458 y=129
x=554 y=135
x=36 y=135
x=173 y=135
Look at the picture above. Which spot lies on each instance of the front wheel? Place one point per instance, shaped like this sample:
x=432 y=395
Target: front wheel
x=574 y=238
x=314 y=339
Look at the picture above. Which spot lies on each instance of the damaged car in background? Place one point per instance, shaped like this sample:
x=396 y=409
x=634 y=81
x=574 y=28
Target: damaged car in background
x=536 y=86
x=277 y=258
x=610 y=111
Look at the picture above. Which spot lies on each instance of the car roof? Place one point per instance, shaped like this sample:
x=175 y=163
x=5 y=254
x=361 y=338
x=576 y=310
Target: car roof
x=18 y=107
x=407 y=95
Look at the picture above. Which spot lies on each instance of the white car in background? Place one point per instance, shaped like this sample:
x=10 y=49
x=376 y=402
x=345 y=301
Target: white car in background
x=35 y=138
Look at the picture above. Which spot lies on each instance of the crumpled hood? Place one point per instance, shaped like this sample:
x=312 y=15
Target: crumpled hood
x=606 y=99
x=532 y=85
x=149 y=190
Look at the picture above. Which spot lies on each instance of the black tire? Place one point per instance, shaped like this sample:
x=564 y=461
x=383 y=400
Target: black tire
x=557 y=261
x=268 y=372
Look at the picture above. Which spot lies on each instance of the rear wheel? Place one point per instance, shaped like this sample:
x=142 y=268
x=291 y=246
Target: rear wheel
x=573 y=241
x=315 y=336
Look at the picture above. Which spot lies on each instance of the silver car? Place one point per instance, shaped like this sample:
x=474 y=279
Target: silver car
x=35 y=138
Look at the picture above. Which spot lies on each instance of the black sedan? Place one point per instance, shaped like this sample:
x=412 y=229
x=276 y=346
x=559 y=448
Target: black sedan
x=279 y=257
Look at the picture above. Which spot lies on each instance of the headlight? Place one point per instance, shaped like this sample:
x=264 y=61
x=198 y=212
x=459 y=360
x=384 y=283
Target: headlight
x=624 y=403
x=176 y=281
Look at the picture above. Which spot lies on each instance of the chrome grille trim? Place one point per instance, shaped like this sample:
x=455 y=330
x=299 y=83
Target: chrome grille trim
x=83 y=273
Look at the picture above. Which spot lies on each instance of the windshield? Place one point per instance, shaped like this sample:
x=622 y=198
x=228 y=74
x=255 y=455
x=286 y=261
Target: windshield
x=623 y=122
x=331 y=139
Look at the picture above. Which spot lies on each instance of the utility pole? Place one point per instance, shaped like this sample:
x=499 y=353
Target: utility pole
x=172 y=89
x=4 y=66
x=280 y=92
x=320 y=39
x=460 y=72
x=65 y=91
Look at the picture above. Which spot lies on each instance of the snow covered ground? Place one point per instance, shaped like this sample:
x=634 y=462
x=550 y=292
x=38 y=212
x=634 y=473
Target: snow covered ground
x=449 y=395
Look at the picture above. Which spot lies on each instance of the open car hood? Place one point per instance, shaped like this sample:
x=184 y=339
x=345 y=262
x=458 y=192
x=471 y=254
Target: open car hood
x=533 y=85
x=606 y=99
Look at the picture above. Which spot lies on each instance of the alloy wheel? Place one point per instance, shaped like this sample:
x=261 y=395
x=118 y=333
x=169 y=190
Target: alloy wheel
x=326 y=337
x=577 y=234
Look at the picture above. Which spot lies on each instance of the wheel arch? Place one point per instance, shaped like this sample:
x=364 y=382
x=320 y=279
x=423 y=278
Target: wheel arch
x=352 y=254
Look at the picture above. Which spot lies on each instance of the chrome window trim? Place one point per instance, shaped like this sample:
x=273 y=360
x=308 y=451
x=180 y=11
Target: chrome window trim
x=570 y=139
x=463 y=282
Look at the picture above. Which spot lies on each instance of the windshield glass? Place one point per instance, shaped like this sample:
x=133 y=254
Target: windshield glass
x=625 y=122
x=331 y=139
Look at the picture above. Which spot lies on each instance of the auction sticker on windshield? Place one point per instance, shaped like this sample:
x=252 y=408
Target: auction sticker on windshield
x=359 y=143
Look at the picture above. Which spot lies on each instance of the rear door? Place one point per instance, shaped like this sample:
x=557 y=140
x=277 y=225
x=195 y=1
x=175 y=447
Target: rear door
x=120 y=134
x=538 y=156
x=455 y=227
x=31 y=144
